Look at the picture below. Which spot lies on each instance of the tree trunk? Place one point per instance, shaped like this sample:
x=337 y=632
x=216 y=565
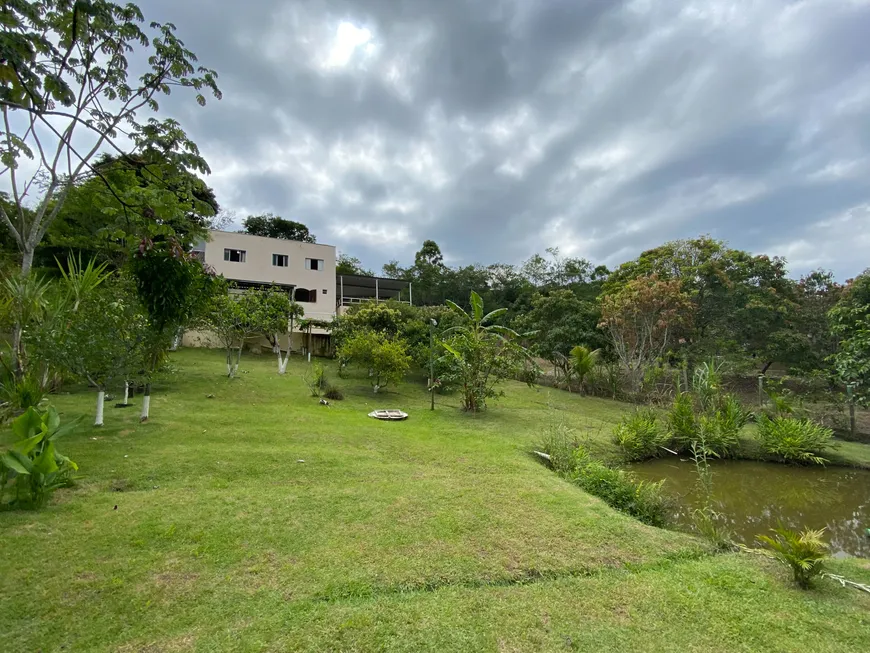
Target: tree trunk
x=101 y=398
x=26 y=260
x=126 y=393
x=146 y=403
x=229 y=362
x=766 y=367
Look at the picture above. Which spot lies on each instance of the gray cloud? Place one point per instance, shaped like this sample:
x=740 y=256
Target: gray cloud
x=502 y=128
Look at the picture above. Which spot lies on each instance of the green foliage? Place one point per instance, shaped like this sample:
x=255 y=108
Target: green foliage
x=720 y=426
x=560 y=442
x=66 y=74
x=18 y=392
x=481 y=353
x=334 y=393
x=32 y=468
x=103 y=339
x=805 y=552
x=640 y=436
x=794 y=440
x=707 y=383
x=682 y=423
x=273 y=226
x=850 y=323
x=104 y=216
x=233 y=318
x=622 y=490
x=584 y=362
x=706 y=415
x=707 y=521
x=347 y=264
x=642 y=319
x=385 y=357
x=559 y=321
x=315 y=379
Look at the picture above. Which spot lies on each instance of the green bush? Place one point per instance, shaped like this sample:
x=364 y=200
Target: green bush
x=794 y=440
x=32 y=468
x=560 y=443
x=681 y=421
x=804 y=552
x=622 y=490
x=333 y=393
x=639 y=435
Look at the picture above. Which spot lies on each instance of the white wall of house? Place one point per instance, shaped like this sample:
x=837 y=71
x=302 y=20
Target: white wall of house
x=259 y=266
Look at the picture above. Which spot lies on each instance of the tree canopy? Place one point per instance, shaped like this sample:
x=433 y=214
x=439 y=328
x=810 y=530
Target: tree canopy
x=67 y=93
x=274 y=226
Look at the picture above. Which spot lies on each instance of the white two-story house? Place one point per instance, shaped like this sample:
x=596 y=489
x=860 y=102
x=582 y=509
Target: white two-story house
x=305 y=270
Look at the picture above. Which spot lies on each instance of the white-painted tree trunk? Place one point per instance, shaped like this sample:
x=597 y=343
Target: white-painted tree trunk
x=176 y=341
x=126 y=392
x=282 y=362
x=101 y=398
x=146 y=403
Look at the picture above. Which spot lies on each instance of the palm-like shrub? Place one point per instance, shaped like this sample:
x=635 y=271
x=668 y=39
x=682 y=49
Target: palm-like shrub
x=640 y=436
x=794 y=440
x=583 y=362
x=804 y=552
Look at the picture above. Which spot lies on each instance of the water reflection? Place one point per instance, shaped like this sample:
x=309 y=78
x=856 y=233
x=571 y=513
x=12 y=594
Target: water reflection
x=753 y=497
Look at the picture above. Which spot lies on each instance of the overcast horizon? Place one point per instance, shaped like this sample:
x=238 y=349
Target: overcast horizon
x=499 y=129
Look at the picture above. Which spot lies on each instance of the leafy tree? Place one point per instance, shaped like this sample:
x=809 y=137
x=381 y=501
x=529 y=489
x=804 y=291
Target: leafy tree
x=642 y=319
x=175 y=291
x=148 y=198
x=740 y=303
x=386 y=357
x=481 y=353
x=233 y=318
x=850 y=322
x=560 y=321
x=273 y=313
x=274 y=226
x=556 y=271
x=100 y=339
x=67 y=93
x=813 y=341
x=351 y=265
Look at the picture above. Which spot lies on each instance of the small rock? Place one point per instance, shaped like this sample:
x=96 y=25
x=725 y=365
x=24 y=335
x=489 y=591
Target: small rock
x=209 y=396
x=300 y=461
x=125 y=455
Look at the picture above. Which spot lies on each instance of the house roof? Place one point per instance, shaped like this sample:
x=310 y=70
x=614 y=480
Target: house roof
x=368 y=283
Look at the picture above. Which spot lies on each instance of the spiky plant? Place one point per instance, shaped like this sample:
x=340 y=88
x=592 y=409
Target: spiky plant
x=804 y=552
x=583 y=362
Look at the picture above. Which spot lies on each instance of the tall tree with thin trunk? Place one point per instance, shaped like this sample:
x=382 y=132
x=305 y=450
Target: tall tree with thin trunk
x=642 y=319
x=67 y=93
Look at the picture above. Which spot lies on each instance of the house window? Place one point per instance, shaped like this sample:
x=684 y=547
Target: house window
x=314 y=264
x=305 y=295
x=235 y=255
x=324 y=291
x=280 y=260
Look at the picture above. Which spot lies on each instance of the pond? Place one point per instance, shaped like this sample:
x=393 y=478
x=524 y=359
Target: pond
x=753 y=497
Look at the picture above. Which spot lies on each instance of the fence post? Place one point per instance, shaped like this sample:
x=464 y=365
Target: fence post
x=761 y=389
x=851 y=399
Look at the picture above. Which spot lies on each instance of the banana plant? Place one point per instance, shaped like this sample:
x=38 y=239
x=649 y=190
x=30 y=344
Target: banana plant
x=482 y=353
x=33 y=466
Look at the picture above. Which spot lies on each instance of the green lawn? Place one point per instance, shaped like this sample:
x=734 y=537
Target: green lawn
x=203 y=531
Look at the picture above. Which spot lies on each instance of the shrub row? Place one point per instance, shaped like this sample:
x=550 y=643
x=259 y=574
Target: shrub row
x=642 y=434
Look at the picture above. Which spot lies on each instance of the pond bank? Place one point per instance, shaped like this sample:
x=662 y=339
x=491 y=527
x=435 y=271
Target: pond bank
x=753 y=497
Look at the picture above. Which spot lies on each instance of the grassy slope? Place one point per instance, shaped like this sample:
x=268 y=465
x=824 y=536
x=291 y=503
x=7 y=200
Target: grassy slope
x=437 y=533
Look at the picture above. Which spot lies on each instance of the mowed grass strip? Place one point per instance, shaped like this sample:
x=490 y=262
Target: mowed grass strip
x=201 y=530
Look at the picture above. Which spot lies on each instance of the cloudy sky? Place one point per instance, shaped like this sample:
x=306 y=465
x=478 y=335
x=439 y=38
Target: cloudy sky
x=501 y=127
